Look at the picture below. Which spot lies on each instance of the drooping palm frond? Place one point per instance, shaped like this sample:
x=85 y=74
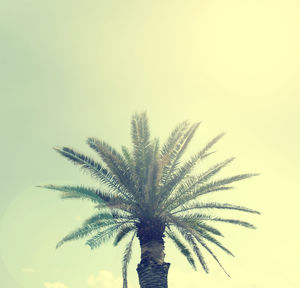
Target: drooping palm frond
x=188 y=226
x=211 y=239
x=191 y=240
x=126 y=260
x=211 y=253
x=123 y=232
x=182 y=247
x=209 y=228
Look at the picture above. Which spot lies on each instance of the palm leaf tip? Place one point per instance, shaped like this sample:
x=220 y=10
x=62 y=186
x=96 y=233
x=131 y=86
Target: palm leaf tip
x=59 y=244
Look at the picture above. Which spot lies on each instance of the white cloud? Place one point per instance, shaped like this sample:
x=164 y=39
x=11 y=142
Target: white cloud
x=54 y=285
x=105 y=279
x=28 y=270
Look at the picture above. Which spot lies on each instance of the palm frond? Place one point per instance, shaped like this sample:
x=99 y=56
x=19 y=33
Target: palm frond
x=170 y=206
x=128 y=157
x=140 y=136
x=154 y=171
x=172 y=141
x=82 y=232
x=73 y=192
x=187 y=232
x=188 y=166
x=192 y=181
x=214 y=205
x=208 y=188
x=114 y=161
x=126 y=260
x=196 y=233
x=211 y=239
x=176 y=154
x=209 y=228
x=191 y=240
x=188 y=183
x=113 y=215
x=212 y=254
x=103 y=236
x=182 y=248
x=123 y=232
x=203 y=217
x=93 y=167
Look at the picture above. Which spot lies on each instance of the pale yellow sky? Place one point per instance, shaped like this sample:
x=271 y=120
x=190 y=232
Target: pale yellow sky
x=71 y=69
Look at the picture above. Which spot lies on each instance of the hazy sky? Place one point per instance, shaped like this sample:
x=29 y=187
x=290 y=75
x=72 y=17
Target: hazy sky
x=74 y=69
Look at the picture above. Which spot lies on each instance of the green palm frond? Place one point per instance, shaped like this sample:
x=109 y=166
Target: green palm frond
x=188 y=233
x=191 y=182
x=140 y=136
x=190 y=223
x=114 y=161
x=203 y=217
x=212 y=254
x=186 y=228
x=83 y=231
x=208 y=188
x=176 y=154
x=126 y=260
x=187 y=168
x=177 y=202
x=182 y=247
x=172 y=141
x=113 y=215
x=128 y=158
x=191 y=240
x=104 y=235
x=154 y=172
x=95 y=195
x=209 y=228
x=214 y=205
x=211 y=239
x=93 y=167
x=123 y=232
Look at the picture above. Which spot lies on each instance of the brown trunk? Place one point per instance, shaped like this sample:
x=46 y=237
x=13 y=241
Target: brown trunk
x=152 y=270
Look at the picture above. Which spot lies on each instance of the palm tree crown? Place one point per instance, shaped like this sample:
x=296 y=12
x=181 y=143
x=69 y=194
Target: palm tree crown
x=151 y=193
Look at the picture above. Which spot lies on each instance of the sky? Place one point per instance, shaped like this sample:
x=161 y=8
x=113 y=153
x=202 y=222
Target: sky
x=70 y=70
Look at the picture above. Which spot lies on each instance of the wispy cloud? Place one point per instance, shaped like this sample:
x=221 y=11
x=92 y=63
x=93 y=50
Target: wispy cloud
x=54 y=285
x=105 y=279
x=28 y=270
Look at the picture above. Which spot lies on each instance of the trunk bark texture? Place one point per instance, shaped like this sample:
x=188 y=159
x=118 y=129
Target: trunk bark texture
x=152 y=270
x=152 y=274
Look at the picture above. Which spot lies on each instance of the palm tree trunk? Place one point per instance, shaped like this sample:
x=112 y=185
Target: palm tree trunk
x=152 y=274
x=152 y=270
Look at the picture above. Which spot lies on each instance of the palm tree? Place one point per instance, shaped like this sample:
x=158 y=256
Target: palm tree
x=151 y=193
